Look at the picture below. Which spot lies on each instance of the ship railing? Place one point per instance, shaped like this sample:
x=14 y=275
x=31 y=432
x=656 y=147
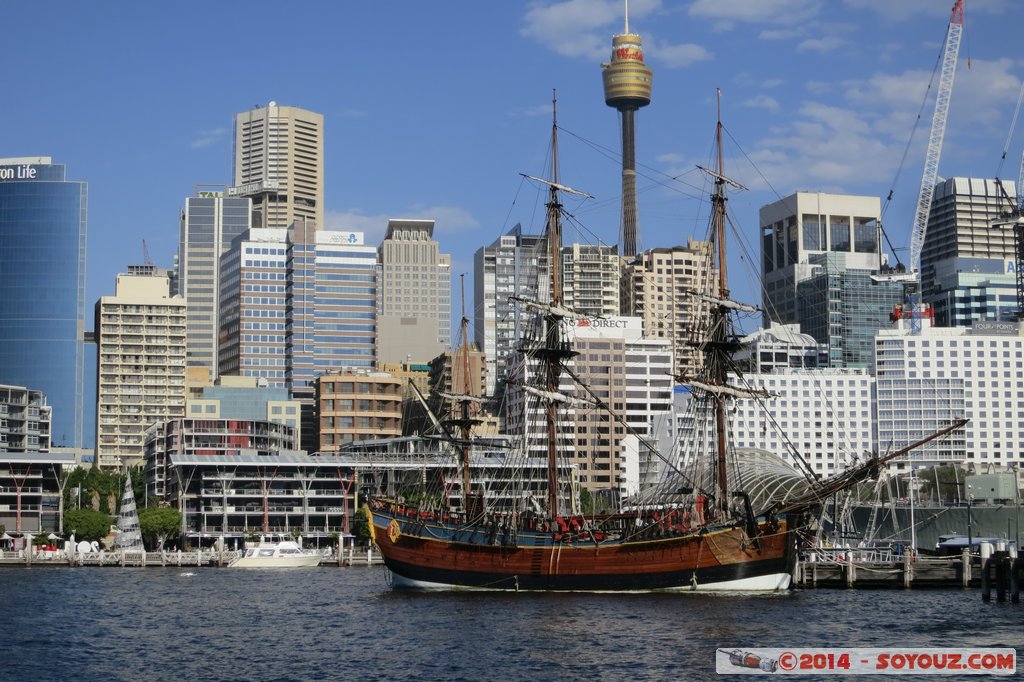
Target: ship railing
x=842 y=555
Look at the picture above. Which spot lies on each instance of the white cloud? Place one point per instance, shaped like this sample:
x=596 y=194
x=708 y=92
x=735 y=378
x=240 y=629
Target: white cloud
x=530 y=112
x=679 y=56
x=856 y=131
x=373 y=227
x=583 y=29
x=208 y=137
x=762 y=102
x=826 y=44
x=903 y=10
x=447 y=220
x=782 y=33
x=570 y=28
x=783 y=12
x=818 y=87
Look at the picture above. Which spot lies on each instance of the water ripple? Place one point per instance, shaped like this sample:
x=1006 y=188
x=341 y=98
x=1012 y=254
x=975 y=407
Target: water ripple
x=330 y=623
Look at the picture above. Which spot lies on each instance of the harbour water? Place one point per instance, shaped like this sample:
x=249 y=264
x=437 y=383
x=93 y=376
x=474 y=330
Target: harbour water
x=331 y=623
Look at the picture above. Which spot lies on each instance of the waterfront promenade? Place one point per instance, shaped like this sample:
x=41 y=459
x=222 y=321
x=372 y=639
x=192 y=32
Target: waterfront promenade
x=200 y=558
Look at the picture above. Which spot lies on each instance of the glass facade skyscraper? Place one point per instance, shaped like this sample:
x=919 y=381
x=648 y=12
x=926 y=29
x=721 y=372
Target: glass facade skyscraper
x=844 y=307
x=42 y=288
x=210 y=222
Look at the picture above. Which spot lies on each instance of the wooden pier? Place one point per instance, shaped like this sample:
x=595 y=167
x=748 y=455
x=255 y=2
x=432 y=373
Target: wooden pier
x=873 y=568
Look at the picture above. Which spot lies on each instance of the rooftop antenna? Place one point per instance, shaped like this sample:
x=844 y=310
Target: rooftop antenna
x=627 y=17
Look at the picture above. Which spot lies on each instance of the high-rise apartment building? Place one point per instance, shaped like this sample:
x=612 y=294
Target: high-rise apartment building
x=210 y=221
x=960 y=223
x=140 y=331
x=590 y=279
x=414 y=309
x=514 y=265
x=657 y=286
x=808 y=223
x=42 y=289
x=279 y=164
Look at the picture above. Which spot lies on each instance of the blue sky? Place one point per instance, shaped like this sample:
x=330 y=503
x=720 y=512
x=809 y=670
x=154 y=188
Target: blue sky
x=434 y=108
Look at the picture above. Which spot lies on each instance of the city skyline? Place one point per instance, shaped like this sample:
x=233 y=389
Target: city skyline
x=821 y=96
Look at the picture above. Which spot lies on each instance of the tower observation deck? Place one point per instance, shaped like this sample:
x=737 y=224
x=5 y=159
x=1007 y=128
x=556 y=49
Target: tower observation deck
x=627 y=87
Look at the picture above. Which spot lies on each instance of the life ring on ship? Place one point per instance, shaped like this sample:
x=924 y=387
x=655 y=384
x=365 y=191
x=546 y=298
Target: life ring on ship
x=394 y=531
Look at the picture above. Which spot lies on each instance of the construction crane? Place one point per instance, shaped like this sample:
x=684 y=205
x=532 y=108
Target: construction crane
x=913 y=310
x=931 y=159
x=1013 y=219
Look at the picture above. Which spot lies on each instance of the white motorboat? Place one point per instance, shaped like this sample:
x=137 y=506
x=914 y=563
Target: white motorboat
x=276 y=554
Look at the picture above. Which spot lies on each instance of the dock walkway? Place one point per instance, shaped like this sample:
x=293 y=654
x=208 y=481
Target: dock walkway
x=131 y=558
x=873 y=568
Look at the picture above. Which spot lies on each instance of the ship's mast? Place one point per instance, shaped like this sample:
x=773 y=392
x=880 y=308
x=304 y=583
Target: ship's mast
x=552 y=332
x=720 y=329
x=466 y=421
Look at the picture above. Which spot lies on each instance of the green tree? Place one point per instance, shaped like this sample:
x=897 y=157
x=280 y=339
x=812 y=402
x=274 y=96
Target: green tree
x=950 y=481
x=361 y=525
x=138 y=487
x=159 y=523
x=87 y=524
x=99 y=488
x=586 y=502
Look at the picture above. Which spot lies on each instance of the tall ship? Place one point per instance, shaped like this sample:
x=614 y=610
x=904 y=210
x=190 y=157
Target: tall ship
x=711 y=523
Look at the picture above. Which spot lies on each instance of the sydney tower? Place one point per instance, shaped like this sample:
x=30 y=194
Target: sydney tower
x=627 y=87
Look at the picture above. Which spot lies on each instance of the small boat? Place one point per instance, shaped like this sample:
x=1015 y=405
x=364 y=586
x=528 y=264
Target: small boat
x=276 y=553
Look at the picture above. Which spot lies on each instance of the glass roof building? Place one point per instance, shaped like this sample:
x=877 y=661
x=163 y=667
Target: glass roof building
x=42 y=288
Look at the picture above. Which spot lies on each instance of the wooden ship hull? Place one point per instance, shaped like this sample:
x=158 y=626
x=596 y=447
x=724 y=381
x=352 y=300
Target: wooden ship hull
x=432 y=553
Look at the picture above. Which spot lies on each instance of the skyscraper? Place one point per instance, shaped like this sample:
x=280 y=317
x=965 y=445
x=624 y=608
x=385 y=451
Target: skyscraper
x=297 y=303
x=414 y=293
x=515 y=264
x=253 y=306
x=210 y=221
x=279 y=163
x=42 y=288
x=960 y=224
x=843 y=306
x=627 y=87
